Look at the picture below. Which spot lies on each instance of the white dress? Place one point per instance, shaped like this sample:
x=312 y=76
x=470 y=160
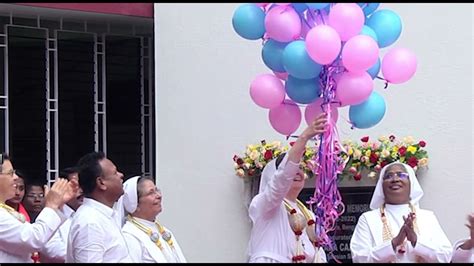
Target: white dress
x=271 y=238
x=462 y=255
x=367 y=243
x=143 y=249
x=18 y=240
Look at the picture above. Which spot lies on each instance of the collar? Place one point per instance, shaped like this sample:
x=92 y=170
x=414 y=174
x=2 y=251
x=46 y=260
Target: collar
x=146 y=222
x=106 y=210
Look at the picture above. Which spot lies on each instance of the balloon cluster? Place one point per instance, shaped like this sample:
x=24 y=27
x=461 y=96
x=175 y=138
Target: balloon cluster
x=303 y=42
x=324 y=56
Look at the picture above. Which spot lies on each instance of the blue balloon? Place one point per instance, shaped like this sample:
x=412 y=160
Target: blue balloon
x=297 y=62
x=272 y=55
x=368 y=8
x=314 y=6
x=366 y=30
x=368 y=113
x=249 y=21
x=375 y=69
x=387 y=25
x=302 y=90
x=299 y=7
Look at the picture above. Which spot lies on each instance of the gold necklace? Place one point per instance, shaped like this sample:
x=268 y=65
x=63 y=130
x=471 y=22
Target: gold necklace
x=20 y=217
x=155 y=237
x=298 y=222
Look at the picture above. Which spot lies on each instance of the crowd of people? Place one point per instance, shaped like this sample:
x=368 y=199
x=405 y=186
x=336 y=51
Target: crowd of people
x=90 y=214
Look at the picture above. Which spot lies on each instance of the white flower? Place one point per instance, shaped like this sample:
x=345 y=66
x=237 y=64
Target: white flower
x=384 y=153
x=357 y=154
x=240 y=173
x=254 y=155
x=409 y=140
x=246 y=165
x=423 y=162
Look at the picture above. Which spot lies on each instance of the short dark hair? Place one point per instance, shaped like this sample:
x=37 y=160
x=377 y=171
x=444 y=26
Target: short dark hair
x=64 y=173
x=20 y=174
x=89 y=169
x=33 y=182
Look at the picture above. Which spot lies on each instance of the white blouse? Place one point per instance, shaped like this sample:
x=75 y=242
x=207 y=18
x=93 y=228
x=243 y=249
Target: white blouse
x=271 y=238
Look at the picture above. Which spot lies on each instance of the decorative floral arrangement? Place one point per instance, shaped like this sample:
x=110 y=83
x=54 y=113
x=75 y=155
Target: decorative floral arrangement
x=367 y=155
x=258 y=155
x=373 y=155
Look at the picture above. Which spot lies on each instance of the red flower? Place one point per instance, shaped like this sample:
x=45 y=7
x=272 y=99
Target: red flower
x=422 y=143
x=268 y=155
x=392 y=138
x=412 y=161
x=383 y=163
x=358 y=177
x=239 y=161
x=251 y=172
x=402 y=150
x=292 y=143
x=365 y=139
x=373 y=157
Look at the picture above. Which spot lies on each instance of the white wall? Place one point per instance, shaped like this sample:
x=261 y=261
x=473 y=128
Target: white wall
x=204 y=115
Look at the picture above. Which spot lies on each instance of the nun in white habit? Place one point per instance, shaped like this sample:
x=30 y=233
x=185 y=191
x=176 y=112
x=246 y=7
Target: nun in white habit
x=396 y=229
x=147 y=239
x=280 y=231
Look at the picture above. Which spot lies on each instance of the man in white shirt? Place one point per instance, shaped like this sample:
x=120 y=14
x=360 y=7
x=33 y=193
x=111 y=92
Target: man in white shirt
x=55 y=249
x=464 y=249
x=95 y=234
x=18 y=238
x=397 y=229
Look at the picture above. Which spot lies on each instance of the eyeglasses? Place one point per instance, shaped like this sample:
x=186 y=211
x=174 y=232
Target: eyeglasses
x=154 y=192
x=392 y=175
x=10 y=173
x=35 y=196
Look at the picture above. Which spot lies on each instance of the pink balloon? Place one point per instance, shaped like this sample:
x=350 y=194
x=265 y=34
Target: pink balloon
x=267 y=91
x=347 y=19
x=315 y=108
x=283 y=24
x=323 y=44
x=360 y=53
x=285 y=118
x=399 y=65
x=262 y=4
x=281 y=75
x=354 y=88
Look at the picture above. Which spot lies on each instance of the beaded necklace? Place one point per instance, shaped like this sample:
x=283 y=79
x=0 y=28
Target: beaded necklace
x=20 y=217
x=298 y=222
x=155 y=237
x=35 y=256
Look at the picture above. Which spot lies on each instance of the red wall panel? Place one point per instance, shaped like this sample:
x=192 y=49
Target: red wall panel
x=128 y=9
